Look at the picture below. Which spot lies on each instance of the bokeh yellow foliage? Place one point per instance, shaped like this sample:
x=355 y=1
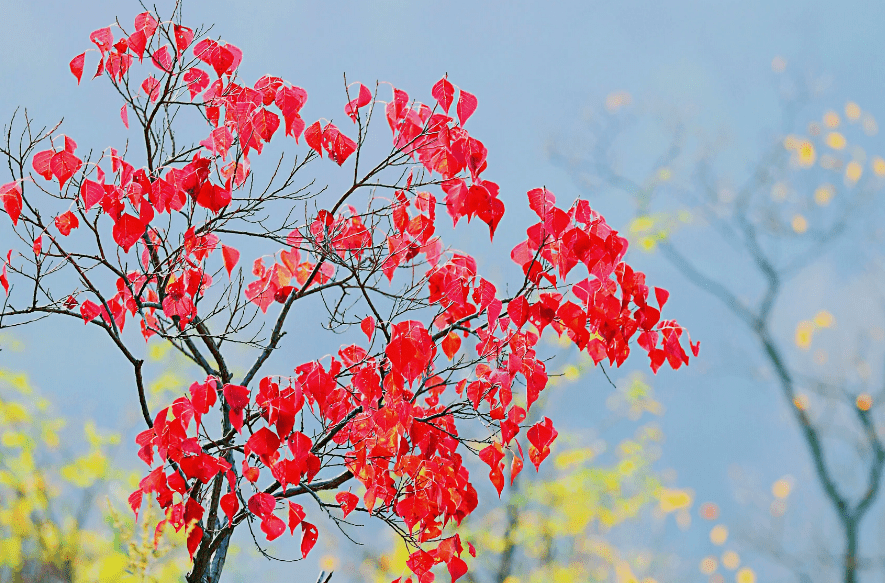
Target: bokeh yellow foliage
x=51 y=496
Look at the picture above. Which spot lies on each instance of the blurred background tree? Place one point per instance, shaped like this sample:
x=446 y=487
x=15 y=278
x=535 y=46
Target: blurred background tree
x=788 y=243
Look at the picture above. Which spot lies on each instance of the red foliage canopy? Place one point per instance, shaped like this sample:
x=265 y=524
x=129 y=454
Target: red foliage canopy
x=393 y=406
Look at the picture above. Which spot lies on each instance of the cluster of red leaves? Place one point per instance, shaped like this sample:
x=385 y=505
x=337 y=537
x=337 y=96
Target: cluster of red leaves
x=191 y=467
x=604 y=321
x=391 y=408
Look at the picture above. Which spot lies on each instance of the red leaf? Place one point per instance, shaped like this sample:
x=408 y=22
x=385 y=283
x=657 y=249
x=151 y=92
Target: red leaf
x=309 y=534
x=41 y=161
x=342 y=149
x=222 y=60
x=77 y=66
x=348 y=501
x=457 y=568
x=263 y=443
x=290 y=100
x=272 y=526
x=151 y=87
x=99 y=70
x=518 y=310
x=231 y=257
x=296 y=515
x=65 y=222
x=184 y=36
x=38 y=245
x=262 y=504
x=147 y=23
x=466 y=106
x=237 y=399
x=196 y=80
x=137 y=43
x=492 y=455
x=4 y=281
x=515 y=468
x=661 y=295
x=420 y=562
x=63 y=165
x=299 y=445
x=362 y=100
x=410 y=349
x=193 y=540
x=230 y=505
x=124 y=115
x=127 y=230
x=541 y=435
x=444 y=93
x=103 y=38
x=266 y=123
x=368 y=327
x=313 y=135
x=162 y=60
x=451 y=344
x=91 y=193
x=135 y=500
x=89 y=311
x=282 y=294
x=339 y=146
x=213 y=197
x=541 y=201
x=12 y=200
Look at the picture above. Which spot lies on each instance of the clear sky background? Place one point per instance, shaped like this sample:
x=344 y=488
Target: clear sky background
x=536 y=68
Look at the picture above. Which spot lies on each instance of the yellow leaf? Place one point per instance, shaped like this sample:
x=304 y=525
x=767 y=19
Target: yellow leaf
x=11 y=552
x=824 y=194
x=730 y=560
x=642 y=224
x=804 y=332
x=746 y=575
x=15 y=413
x=836 y=140
x=623 y=573
x=806 y=154
x=824 y=319
x=84 y=471
x=718 y=534
x=157 y=351
x=14 y=439
x=781 y=488
x=167 y=381
x=572 y=458
x=674 y=500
